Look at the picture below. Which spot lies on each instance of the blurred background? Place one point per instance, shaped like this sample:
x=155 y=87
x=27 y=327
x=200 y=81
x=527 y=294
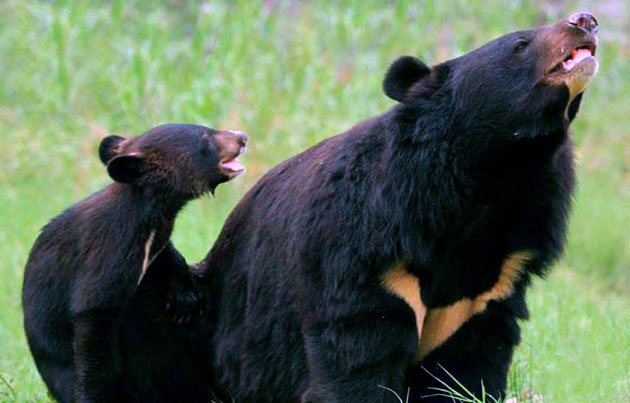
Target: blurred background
x=292 y=73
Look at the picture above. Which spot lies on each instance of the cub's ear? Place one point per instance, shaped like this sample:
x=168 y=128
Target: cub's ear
x=126 y=168
x=402 y=74
x=109 y=148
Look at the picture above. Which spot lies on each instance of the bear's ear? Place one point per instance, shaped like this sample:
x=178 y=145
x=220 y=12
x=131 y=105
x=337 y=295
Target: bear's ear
x=109 y=148
x=402 y=74
x=126 y=168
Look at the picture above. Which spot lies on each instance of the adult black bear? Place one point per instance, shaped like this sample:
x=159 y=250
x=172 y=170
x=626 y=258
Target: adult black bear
x=96 y=328
x=407 y=241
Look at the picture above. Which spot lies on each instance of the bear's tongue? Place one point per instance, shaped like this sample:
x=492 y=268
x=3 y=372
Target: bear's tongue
x=233 y=165
x=576 y=57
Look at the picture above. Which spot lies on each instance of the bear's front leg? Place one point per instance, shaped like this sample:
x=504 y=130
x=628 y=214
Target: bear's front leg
x=478 y=353
x=96 y=357
x=356 y=354
x=185 y=300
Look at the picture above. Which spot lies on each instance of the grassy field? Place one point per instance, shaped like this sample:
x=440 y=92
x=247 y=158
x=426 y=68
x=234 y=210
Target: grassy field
x=291 y=75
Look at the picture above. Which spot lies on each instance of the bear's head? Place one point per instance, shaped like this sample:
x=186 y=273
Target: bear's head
x=526 y=83
x=187 y=160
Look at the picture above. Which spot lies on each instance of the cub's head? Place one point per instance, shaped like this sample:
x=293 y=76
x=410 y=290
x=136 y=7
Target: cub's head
x=525 y=83
x=186 y=159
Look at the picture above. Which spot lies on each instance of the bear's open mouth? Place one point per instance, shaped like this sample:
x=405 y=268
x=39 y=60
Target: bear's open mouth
x=232 y=165
x=572 y=59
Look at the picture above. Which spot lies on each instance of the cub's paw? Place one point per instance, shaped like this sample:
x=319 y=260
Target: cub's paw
x=184 y=301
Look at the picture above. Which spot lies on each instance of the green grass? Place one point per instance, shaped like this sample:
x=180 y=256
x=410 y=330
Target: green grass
x=291 y=75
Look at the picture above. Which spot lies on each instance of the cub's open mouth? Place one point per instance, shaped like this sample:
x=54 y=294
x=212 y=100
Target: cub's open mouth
x=574 y=58
x=232 y=165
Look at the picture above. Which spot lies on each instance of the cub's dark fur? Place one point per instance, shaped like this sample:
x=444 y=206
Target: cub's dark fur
x=464 y=184
x=96 y=328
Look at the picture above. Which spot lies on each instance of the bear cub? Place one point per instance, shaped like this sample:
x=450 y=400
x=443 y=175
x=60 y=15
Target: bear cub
x=84 y=292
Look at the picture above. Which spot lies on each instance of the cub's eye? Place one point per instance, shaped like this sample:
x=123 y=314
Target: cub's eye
x=206 y=145
x=520 y=46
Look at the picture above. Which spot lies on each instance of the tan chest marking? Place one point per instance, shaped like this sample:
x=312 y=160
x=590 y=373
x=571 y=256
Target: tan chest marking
x=405 y=285
x=436 y=325
x=146 y=262
x=442 y=323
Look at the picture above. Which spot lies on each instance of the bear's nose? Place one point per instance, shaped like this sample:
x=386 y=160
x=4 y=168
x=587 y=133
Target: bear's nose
x=240 y=136
x=584 y=21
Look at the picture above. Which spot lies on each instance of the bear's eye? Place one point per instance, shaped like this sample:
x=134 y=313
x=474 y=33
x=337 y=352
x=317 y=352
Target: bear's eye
x=520 y=46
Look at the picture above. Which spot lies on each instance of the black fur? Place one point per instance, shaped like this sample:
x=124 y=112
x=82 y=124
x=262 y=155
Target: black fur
x=95 y=333
x=108 y=148
x=402 y=74
x=474 y=164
